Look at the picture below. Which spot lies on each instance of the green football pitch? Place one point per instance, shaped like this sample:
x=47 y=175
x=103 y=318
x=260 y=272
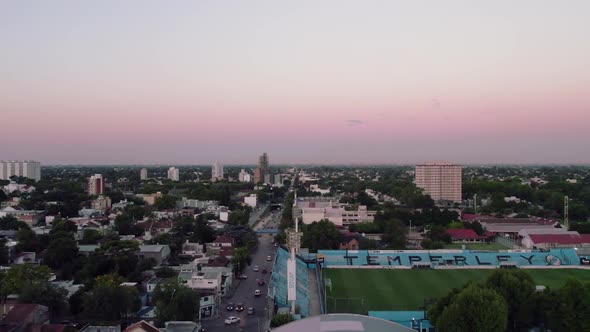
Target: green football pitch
x=361 y=290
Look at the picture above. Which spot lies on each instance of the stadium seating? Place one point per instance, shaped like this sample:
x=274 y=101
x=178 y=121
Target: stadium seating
x=278 y=287
x=475 y=258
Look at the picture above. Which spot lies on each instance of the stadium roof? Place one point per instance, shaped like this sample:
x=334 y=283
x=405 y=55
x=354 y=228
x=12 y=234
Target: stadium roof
x=343 y=323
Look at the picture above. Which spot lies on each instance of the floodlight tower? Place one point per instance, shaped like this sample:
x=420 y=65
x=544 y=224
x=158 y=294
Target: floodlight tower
x=566 y=219
x=294 y=243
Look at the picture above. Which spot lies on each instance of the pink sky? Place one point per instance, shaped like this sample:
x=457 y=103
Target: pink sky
x=370 y=82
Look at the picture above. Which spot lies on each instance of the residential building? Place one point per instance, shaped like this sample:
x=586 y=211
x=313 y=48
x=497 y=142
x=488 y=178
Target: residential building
x=30 y=217
x=251 y=200
x=22 y=316
x=186 y=203
x=141 y=326
x=278 y=180
x=267 y=178
x=102 y=203
x=121 y=205
x=143 y=174
x=441 y=180
x=156 y=251
x=101 y=328
x=28 y=168
x=217 y=171
x=223 y=213
x=96 y=185
x=150 y=199
x=173 y=174
x=317 y=209
x=244 y=176
x=21 y=188
x=262 y=170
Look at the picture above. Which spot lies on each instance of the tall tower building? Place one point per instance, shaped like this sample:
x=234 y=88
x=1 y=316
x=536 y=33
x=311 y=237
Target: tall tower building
x=174 y=174
x=244 y=176
x=441 y=180
x=96 y=185
x=29 y=169
x=262 y=170
x=143 y=174
x=216 y=171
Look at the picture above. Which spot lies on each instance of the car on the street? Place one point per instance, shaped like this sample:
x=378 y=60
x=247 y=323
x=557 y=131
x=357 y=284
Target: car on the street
x=229 y=307
x=242 y=276
x=231 y=320
x=269 y=258
x=260 y=282
x=276 y=244
x=255 y=268
x=257 y=292
x=251 y=311
x=239 y=307
x=264 y=271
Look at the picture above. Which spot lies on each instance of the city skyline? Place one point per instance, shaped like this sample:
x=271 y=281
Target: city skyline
x=336 y=82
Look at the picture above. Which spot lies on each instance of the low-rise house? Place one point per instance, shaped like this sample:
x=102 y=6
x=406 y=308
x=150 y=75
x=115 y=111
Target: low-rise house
x=158 y=252
x=182 y=326
x=121 y=205
x=30 y=217
x=25 y=257
x=466 y=236
x=23 y=316
x=141 y=326
x=87 y=249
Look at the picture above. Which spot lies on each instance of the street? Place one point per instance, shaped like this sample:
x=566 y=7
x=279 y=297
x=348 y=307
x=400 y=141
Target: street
x=244 y=294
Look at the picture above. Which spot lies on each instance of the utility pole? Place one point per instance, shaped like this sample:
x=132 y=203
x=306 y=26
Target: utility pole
x=566 y=221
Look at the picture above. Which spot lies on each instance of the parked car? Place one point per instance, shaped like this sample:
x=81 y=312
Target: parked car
x=242 y=276
x=251 y=311
x=260 y=282
x=231 y=320
x=239 y=307
x=276 y=244
x=257 y=292
x=229 y=307
x=264 y=271
x=255 y=268
x=269 y=258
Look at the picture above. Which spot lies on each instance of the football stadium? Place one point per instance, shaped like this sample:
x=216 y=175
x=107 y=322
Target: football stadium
x=400 y=285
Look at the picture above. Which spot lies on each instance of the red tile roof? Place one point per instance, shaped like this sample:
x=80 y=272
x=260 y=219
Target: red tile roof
x=19 y=313
x=464 y=234
x=223 y=239
x=560 y=238
x=142 y=325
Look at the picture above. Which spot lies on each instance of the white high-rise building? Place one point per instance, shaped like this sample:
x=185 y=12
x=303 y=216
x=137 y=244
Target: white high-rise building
x=216 y=171
x=143 y=174
x=27 y=168
x=244 y=176
x=96 y=185
x=174 y=174
x=441 y=180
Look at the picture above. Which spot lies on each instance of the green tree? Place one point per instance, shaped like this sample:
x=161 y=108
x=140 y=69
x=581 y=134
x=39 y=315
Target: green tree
x=9 y=222
x=45 y=294
x=109 y=301
x=165 y=202
x=570 y=307
x=20 y=276
x=60 y=251
x=281 y=319
x=475 y=308
x=320 y=235
x=394 y=234
x=3 y=252
x=517 y=288
x=90 y=236
x=176 y=302
x=240 y=259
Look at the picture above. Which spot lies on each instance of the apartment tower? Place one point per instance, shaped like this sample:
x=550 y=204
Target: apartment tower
x=440 y=180
x=96 y=185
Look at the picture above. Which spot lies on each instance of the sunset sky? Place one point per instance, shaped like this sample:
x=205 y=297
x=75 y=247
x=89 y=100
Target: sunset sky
x=191 y=82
